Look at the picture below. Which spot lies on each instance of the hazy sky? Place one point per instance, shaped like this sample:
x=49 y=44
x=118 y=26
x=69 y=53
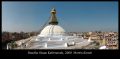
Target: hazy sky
x=72 y=16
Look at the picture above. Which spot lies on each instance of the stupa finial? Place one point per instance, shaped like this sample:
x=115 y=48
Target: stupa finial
x=53 y=19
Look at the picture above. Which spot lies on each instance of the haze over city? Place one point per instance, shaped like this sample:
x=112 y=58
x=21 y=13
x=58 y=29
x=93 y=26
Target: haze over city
x=72 y=16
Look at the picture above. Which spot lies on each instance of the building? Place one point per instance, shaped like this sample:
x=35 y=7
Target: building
x=53 y=29
x=52 y=36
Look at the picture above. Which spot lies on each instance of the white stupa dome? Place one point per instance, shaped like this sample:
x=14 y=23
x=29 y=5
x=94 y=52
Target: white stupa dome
x=52 y=30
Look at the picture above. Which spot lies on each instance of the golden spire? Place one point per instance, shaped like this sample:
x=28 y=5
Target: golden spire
x=53 y=19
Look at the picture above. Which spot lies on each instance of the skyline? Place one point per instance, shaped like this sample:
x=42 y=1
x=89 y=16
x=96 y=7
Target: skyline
x=72 y=16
